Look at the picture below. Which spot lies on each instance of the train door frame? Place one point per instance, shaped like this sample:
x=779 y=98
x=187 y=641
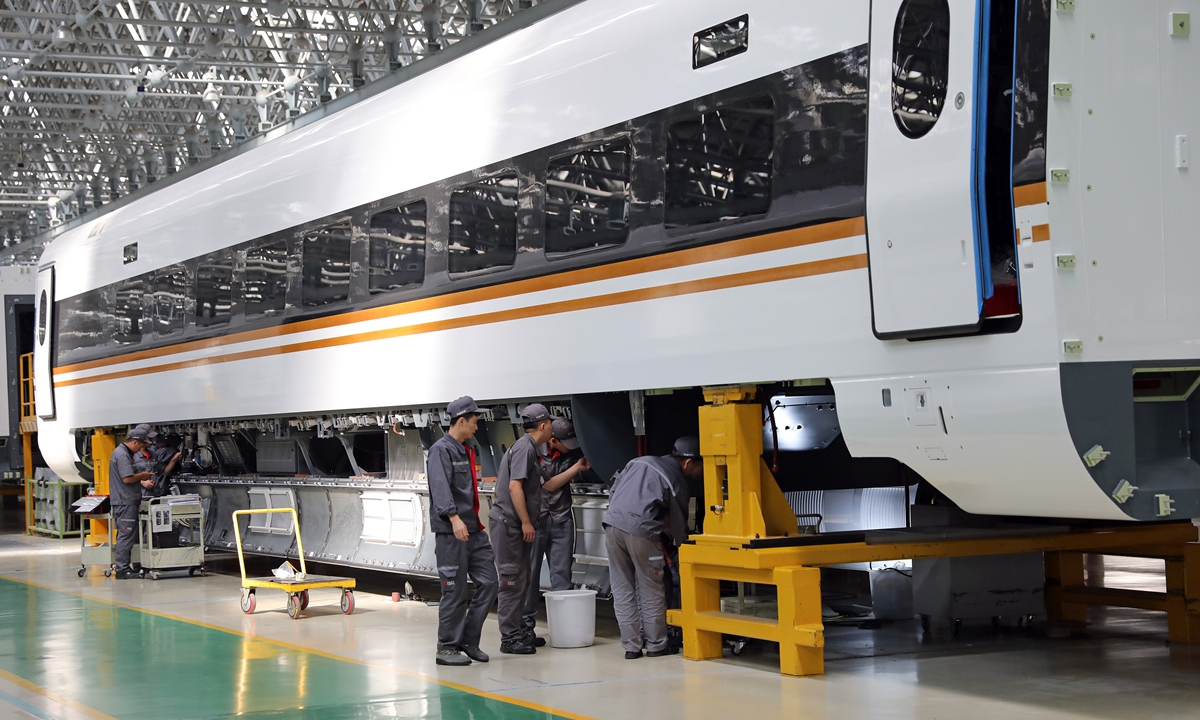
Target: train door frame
x=45 y=331
x=939 y=180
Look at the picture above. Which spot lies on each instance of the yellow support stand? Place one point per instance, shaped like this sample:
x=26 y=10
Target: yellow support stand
x=103 y=444
x=745 y=503
x=28 y=429
x=746 y=508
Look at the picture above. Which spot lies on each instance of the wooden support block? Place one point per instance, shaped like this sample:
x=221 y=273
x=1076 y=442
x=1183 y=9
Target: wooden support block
x=1064 y=570
x=1183 y=590
x=801 y=632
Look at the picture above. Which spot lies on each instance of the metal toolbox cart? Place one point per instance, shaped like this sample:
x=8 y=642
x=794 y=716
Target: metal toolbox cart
x=296 y=588
x=161 y=522
x=103 y=553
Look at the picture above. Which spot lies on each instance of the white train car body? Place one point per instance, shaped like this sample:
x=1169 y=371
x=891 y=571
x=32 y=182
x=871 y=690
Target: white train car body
x=886 y=302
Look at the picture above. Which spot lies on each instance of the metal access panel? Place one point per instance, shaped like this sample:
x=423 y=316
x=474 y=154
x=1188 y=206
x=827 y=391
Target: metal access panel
x=922 y=235
x=43 y=359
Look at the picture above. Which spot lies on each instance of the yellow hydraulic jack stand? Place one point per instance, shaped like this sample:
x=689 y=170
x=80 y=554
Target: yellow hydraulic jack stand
x=745 y=503
x=749 y=536
x=103 y=445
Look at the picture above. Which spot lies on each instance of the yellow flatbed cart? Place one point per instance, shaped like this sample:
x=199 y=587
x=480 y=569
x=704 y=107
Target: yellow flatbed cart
x=296 y=589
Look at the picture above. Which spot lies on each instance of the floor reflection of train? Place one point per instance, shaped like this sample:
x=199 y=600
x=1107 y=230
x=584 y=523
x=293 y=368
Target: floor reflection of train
x=931 y=231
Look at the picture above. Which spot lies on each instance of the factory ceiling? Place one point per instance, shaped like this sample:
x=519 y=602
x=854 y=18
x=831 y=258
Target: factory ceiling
x=101 y=97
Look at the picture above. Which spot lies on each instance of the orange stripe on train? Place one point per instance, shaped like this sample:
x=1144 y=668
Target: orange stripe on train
x=757 y=277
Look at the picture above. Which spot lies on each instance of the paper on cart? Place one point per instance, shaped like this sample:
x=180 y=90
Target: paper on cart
x=287 y=572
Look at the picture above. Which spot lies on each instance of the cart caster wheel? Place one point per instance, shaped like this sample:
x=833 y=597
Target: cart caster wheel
x=293 y=606
x=155 y=575
x=81 y=572
x=248 y=602
x=957 y=627
x=203 y=572
x=925 y=623
x=347 y=602
x=191 y=572
x=141 y=574
x=107 y=572
x=303 y=599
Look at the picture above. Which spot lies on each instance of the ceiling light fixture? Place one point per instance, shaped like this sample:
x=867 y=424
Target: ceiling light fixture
x=212 y=95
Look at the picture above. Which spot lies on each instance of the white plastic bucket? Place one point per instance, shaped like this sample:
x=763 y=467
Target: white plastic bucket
x=572 y=617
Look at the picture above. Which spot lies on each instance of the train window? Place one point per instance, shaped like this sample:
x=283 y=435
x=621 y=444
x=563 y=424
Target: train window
x=83 y=322
x=920 y=65
x=587 y=199
x=127 y=311
x=168 y=299
x=483 y=224
x=266 y=279
x=720 y=41
x=43 y=309
x=397 y=248
x=719 y=163
x=326 y=256
x=214 y=290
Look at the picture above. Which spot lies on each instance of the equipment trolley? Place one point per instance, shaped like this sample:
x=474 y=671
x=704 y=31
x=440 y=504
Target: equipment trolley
x=160 y=523
x=296 y=588
x=96 y=549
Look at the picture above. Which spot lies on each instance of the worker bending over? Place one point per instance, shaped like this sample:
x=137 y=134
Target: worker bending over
x=125 y=485
x=562 y=464
x=460 y=545
x=647 y=509
x=516 y=507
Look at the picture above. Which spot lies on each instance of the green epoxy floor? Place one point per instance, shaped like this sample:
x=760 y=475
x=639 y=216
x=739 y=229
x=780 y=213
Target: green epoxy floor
x=93 y=648
x=132 y=665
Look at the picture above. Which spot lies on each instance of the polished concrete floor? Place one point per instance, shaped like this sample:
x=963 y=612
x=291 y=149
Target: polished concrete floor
x=92 y=647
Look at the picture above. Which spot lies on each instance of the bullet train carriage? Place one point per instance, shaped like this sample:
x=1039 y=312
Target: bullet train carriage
x=952 y=241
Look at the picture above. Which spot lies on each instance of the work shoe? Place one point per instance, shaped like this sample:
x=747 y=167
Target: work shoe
x=668 y=650
x=517 y=648
x=473 y=652
x=452 y=656
x=126 y=575
x=532 y=639
x=633 y=654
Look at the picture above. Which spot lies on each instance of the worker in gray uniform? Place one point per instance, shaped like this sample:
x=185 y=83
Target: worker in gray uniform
x=165 y=458
x=460 y=545
x=647 y=509
x=562 y=464
x=125 y=485
x=515 y=509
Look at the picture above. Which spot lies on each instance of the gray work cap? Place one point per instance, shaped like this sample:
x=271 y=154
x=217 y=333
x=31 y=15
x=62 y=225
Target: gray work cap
x=564 y=432
x=534 y=413
x=686 y=447
x=465 y=405
x=143 y=432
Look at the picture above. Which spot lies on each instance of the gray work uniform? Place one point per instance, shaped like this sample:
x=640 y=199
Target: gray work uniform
x=512 y=552
x=125 y=499
x=453 y=490
x=647 y=509
x=555 y=537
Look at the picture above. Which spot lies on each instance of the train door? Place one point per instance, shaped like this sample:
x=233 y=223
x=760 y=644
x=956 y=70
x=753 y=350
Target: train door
x=939 y=193
x=43 y=349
